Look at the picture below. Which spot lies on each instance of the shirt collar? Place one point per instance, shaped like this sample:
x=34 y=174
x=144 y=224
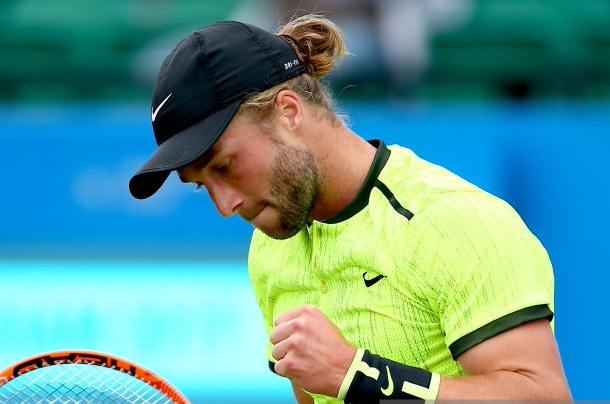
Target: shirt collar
x=361 y=199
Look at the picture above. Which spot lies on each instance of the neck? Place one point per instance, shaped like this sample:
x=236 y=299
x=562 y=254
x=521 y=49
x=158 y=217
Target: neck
x=344 y=159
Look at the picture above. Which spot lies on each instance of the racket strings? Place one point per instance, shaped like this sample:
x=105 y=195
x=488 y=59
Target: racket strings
x=79 y=383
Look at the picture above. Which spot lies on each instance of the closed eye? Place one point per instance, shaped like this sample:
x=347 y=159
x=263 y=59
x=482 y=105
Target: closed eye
x=224 y=166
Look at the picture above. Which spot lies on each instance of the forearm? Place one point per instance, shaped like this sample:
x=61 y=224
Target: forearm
x=372 y=377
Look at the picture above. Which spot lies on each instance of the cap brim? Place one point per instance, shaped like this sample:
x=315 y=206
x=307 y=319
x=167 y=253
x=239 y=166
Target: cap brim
x=180 y=150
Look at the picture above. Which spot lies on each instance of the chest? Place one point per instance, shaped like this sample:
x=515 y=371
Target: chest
x=375 y=296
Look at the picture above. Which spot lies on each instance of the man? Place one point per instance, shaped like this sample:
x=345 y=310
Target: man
x=379 y=275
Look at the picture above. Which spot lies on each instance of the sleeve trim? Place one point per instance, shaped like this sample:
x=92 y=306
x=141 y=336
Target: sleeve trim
x=499 y=325
x=272 y=367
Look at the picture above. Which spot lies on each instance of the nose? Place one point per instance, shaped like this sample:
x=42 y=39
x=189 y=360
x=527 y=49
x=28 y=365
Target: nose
x=226 y=198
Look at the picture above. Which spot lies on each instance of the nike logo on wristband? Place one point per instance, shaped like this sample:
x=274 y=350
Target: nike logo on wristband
x=372 y=281
x=390 y=389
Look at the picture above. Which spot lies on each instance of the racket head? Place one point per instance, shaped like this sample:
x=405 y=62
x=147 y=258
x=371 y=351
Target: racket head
x=84 y=376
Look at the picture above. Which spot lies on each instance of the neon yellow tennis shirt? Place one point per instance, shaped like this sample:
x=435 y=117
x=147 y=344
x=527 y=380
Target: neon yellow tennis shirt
x=418 y=268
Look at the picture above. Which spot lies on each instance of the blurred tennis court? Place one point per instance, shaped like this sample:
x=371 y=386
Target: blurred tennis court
x=196 y=324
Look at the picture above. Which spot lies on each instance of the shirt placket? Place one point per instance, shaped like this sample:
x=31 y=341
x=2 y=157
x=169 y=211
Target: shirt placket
x=317 y=232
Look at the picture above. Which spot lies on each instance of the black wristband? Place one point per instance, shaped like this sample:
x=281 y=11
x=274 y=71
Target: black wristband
x=371 y=378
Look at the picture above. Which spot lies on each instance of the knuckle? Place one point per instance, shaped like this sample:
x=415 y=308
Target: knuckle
x=289 y=364
x=309 y=309
x=294 y=342
x=299 y=324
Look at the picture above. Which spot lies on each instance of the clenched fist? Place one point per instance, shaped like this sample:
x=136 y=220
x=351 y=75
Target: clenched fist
x=310 y=350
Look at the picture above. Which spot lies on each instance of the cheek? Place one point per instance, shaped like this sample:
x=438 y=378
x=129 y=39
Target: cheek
x=257 y=176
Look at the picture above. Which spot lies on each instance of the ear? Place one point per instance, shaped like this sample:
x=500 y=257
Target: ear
x=289 y=109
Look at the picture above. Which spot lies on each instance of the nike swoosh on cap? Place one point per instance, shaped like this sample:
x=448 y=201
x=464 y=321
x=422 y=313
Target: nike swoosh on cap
x=156 y=111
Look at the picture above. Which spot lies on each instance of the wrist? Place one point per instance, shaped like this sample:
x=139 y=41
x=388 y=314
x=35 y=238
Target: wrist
x=351 y=373
x=371 y=378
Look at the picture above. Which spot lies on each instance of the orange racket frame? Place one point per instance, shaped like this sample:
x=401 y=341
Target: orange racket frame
x=93 y=358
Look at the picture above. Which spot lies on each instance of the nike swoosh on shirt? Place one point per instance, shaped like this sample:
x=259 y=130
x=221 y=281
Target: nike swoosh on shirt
x=156 y=111
x=372 y=281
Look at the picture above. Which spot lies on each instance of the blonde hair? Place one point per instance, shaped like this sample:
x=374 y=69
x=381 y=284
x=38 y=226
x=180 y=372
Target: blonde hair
x=319 y=44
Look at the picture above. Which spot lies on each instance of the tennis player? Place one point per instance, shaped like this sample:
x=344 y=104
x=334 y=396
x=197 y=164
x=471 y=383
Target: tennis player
x=379 y=275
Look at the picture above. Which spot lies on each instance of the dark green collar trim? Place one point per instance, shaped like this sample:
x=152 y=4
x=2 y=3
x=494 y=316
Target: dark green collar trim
x=362 y=197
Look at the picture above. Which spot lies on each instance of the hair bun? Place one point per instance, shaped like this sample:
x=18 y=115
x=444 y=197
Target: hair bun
x=317 y=41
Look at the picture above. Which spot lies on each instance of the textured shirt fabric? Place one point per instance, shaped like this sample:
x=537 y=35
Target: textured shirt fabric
x=419 y=267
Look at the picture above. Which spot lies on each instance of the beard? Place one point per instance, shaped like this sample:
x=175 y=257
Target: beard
x=295 y=184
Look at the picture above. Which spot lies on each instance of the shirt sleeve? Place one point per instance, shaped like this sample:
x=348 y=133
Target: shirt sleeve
x=487 y=271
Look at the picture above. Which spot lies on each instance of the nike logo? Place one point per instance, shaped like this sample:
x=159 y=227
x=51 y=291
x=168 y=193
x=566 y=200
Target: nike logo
x=390 y=389
x=372 y=281
x=156 y=111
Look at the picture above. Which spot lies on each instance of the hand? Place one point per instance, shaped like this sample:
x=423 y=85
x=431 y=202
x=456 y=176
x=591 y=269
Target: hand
x=310 y=350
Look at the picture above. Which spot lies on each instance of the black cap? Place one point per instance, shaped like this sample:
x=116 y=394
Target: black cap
x=199 y=88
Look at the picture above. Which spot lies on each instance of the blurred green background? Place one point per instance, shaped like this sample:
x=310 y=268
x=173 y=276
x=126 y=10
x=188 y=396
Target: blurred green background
x=514 y=95
x=56 y=50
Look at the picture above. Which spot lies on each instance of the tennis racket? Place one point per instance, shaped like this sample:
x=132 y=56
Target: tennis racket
x=83 y=377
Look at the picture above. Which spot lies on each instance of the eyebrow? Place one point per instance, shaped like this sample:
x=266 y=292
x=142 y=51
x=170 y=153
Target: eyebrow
x=205 y=159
